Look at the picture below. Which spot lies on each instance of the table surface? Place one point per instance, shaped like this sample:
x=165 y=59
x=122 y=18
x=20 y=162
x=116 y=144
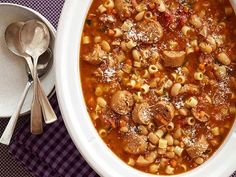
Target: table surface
x=8 y=166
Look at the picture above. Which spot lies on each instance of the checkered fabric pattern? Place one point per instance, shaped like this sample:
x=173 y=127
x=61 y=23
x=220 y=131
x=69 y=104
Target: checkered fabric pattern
x=50 y=9
x=52 y=154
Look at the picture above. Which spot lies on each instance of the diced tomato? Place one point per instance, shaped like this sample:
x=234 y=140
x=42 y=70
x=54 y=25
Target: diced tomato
x=182 y=16
x=201 y=66
x=182 y=20
x=173 y=163
x=111 y=32
x=167 y=19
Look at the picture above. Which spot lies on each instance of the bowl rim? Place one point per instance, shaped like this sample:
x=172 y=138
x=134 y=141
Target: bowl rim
x=52 y=30
x=69 y=92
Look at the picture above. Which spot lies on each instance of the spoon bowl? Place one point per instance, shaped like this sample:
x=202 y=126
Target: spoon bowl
x=12 y=33
x=45 y=63
x=34 y=38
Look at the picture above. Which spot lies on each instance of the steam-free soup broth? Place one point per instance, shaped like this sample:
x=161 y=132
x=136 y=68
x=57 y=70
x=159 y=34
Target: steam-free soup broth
x=158 y=78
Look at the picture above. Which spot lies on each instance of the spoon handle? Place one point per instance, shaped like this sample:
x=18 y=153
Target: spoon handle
x=9 y=130
x=48 y=112
x=36 y=111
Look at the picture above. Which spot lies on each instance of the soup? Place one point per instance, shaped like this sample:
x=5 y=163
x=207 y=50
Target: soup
x=158 y=78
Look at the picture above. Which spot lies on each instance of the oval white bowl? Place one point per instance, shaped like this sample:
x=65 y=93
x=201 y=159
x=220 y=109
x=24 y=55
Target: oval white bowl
x=78 y=122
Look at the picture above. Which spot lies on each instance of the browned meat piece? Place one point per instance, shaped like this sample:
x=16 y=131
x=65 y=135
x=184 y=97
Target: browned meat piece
x=134 y=143
x=174 y=58
x=109 y=118
x=198 y=148
x=141 y=113
x=123 y=7
x=200 y=115
x=190 y=89
x=96 y=56
x=207 y=59
x=122 y=102
x=166 y=110
x=150 y=31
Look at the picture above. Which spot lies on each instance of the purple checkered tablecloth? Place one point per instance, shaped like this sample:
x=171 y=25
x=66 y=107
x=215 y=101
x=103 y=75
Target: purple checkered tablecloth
x=52 y=154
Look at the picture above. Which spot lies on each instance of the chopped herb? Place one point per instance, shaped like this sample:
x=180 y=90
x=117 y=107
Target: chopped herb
x=102 y=30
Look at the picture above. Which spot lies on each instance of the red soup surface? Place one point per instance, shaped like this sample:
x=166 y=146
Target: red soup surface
x=158 y=78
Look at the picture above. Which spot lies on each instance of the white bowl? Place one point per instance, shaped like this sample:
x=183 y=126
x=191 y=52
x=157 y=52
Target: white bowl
x=13 y=75
x=78 y=122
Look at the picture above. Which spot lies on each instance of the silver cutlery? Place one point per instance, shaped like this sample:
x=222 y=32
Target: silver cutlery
x=12 y=36
x=45 y=63
x=13 y=43
x=34 y=39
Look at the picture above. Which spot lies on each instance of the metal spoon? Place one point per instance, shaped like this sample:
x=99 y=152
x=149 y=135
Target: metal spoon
x=13 y=43
x=34 y=39
x=44 y=65
x=48 y=112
